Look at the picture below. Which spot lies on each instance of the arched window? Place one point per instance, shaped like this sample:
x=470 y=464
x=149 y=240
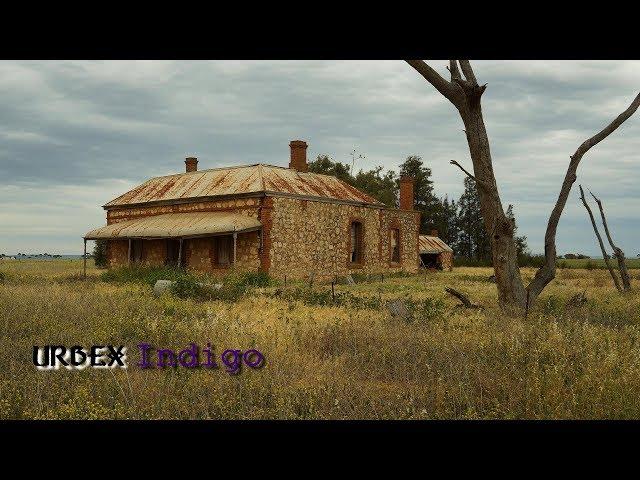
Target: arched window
x=395 y=245
x=355 y=254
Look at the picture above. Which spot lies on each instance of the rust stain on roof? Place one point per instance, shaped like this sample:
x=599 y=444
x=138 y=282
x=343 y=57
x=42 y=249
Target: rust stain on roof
x=429 y=244
x=258 y=178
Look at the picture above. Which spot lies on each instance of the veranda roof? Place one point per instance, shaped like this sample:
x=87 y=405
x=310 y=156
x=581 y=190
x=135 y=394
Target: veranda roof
x=431 y=244
x=181 y=225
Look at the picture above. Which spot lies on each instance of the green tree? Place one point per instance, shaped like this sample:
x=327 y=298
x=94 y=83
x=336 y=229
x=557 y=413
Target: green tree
x=426 y=202
x=324 y=165
x=473 y=239
x=447 y=223
x=382 y=187
x=100 y=253
x=522 y=249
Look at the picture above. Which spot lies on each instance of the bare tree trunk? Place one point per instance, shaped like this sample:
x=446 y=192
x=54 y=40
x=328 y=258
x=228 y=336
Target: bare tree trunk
x=619 y=254
x=605 y=255
x=511 y=291
x=465 y=94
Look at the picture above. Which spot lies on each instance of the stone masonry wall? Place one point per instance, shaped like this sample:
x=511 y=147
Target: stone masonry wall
x=117 y=251
x=300 y=236
x=309 y=236
x=445 y=259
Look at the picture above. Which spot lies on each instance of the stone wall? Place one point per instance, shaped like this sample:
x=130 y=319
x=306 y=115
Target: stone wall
x=310 y=236
x=117 y=252
x=445 y=259
x=200 y=254
x=299 y=237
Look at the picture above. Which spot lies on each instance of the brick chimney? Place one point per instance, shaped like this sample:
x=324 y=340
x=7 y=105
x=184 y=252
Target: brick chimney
x=406 y=192
x=434 y=233
x=298 y=155
x=191 y=164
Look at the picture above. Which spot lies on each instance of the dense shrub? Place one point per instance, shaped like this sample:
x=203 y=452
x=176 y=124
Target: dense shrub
x=100 y=253
x=254 y=279
x=142 y=274
x=188 y=285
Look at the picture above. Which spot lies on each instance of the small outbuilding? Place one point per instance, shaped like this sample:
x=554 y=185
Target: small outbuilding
x=434 y=253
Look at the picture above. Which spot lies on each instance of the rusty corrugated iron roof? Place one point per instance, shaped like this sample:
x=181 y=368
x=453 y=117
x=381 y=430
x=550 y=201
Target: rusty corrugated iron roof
x=192 y=224
x=429 y=244
x=246 y=179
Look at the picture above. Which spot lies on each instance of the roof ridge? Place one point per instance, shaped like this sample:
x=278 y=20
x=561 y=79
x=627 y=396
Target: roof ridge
x=261 y=175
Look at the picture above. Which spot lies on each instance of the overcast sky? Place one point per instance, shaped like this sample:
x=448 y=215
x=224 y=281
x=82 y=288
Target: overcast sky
x=74 y=135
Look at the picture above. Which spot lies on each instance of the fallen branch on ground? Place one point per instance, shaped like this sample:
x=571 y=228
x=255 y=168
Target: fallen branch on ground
x=466 y=303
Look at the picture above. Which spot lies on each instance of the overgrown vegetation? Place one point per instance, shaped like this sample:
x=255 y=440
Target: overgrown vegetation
x=143 y=274
x=190 y=285
x=100 y=253
x=329 y=359
x=229 y=288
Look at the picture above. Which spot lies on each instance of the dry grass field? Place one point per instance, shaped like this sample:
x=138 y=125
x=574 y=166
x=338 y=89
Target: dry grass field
x=324 y=361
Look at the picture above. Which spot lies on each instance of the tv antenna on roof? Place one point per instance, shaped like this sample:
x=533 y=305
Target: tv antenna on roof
x=353 y=159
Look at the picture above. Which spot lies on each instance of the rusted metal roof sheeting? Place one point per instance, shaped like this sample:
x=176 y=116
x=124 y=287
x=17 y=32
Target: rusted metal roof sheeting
x=177 y=225
x=241 y=180
x=429 y=244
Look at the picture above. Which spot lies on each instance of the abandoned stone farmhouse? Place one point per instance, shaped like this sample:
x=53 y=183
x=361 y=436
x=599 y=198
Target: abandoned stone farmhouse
x=283 y=221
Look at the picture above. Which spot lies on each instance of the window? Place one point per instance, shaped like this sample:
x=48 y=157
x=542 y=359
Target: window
x=136 y=251
x=355 y=256
x=224 y=250
x=395 y=245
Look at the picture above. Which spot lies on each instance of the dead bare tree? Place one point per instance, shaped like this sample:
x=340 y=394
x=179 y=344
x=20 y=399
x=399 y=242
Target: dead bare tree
x=464 y=92
x=605 y=255
x=618 y=253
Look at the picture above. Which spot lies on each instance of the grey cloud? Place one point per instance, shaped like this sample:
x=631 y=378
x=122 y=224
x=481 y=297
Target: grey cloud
x=77 y=134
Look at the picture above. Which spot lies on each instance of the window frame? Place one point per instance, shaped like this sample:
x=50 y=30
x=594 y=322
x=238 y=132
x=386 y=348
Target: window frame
x=215 y=251
x=360 y=259
x=394 y=227
x=137 y=252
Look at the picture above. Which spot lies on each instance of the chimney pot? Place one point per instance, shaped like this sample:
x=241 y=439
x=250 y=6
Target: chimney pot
x=191 y=164
x=406 y=192
x=298 y=155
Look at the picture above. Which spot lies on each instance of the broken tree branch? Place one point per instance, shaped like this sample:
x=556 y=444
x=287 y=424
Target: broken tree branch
x=547 y=272
x=465 y=65
x=462 y=297
x=446 y=88
x=605 y=255
x=619 y=254
x=453 y=69
x=480 y=183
